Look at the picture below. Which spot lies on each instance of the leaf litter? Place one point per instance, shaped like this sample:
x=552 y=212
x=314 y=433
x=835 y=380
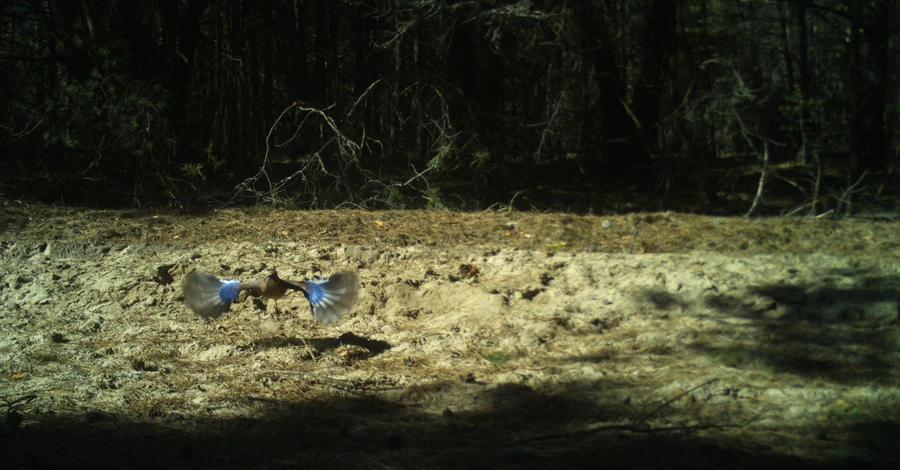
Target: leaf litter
x=495 y=339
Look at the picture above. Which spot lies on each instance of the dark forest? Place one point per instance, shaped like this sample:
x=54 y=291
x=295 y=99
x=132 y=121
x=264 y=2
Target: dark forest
x=718 y=106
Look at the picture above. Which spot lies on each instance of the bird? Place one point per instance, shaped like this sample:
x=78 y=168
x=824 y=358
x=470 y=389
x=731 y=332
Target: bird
x=329 y=298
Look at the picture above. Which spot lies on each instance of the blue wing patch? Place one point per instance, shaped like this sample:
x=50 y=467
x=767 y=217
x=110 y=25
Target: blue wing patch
x=329 y=299
x=229 y=292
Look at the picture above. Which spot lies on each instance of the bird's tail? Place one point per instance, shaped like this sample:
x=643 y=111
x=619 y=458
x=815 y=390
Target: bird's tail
x=332 y=297
x=209 y=296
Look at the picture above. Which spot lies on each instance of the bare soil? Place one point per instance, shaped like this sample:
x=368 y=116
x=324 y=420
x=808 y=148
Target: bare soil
x=488 y=340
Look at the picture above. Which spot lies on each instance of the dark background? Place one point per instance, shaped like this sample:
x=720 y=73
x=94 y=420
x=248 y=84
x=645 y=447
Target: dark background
x=579 y=105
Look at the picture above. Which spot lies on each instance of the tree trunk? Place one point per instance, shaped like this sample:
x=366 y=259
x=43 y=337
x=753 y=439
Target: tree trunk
x=868 y=54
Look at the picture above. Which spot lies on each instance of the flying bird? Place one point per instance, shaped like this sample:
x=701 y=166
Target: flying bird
x=329 y=298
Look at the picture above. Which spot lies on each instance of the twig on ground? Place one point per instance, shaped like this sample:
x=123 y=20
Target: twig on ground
x=846 y=197
x=308 y=349
x=10 y=404
x=638 y=426
x=633 y=238
x=354 y=386
x=631 y=428
x=672 y=400
x=762 y=181
x=511 y=201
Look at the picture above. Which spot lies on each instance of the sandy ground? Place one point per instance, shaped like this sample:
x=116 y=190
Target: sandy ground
x=480 y=340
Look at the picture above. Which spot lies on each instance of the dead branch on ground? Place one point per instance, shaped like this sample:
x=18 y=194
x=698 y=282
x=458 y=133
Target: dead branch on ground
x=639 y=425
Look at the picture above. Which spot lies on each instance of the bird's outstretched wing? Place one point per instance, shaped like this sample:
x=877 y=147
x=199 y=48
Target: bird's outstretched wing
x=209 y=296
x=332 y=297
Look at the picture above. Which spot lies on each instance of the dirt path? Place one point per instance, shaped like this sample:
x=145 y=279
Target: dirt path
x=592 y=346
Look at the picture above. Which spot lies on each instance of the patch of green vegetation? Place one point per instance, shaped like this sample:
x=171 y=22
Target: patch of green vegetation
x=733 y=358
x=194 y=171
x=742 y=359
x=260 y=208
x=844 y=411
x=433 y=199
x=480 y=159
x=395 y=197
x=498 y=357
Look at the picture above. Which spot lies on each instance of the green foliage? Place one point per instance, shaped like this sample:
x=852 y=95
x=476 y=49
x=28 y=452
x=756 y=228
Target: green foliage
x=106 y=118
x=439 y=161
x=796 y=106
x=215 y=161
x=892 y=110
x=433 y=199
x=193 y=171
x=498 y=357
x=481 y=159
x=395 y=196
x=843 y=411
x=742 y=359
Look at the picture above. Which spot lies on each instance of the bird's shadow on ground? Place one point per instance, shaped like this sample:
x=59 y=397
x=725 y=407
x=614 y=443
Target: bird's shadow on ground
x=374 y=346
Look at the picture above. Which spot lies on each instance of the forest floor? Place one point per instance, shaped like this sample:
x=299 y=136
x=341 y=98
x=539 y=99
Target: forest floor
x=487 y=339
